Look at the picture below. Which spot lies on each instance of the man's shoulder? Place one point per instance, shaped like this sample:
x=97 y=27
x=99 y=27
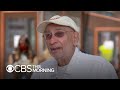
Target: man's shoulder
x=48 y=63
x=93 y=60
x=94 y=66
x=86 y=58
x=91 y=57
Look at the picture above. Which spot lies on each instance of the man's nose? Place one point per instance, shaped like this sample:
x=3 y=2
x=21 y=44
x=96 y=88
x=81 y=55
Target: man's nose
x=53 y=40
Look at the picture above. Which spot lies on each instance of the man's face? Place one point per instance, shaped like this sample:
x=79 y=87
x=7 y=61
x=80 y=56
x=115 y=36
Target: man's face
x=59 y=40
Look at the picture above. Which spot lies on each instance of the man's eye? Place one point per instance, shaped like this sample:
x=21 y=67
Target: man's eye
x=60 y=34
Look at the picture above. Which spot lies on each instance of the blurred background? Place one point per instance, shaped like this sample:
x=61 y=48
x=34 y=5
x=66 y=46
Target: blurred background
x=99 y=34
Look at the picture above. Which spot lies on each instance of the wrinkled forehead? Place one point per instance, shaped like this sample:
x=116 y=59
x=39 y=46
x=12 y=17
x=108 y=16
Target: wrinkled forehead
x=52 y=26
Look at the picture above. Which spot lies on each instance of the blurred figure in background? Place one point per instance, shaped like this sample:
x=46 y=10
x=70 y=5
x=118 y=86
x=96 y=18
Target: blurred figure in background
x=106 y=50
x=22 y=55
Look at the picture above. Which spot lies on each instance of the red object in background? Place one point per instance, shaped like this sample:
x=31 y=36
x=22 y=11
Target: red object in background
x=23 y=47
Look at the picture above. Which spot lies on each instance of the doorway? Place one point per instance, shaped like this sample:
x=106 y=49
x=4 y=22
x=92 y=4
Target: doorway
x=15 y=24
x=107 y=44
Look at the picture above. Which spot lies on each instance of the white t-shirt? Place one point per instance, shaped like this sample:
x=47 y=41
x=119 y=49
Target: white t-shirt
x=61 y=72
x=81 y=66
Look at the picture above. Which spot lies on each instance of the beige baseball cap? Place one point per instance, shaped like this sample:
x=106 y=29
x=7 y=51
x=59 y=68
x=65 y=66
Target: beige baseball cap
x=60 y=20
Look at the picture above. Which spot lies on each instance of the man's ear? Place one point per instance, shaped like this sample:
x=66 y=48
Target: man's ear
x=75 y=38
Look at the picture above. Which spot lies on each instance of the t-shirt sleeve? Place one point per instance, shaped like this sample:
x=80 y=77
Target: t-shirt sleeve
x=108 y=71
x=35 y=75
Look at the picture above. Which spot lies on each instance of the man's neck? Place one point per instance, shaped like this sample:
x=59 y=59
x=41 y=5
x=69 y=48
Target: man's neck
x=65 y=60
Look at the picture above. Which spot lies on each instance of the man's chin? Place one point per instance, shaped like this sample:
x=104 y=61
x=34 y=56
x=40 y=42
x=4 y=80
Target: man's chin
x=58 y=56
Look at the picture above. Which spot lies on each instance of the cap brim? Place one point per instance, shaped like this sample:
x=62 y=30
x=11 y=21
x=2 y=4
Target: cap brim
x=42 y=26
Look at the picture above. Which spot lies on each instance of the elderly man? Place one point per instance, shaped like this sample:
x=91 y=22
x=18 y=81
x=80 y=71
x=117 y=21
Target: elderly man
x=61 y=36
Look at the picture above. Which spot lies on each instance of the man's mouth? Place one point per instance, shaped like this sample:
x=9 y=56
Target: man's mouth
x=55 y=49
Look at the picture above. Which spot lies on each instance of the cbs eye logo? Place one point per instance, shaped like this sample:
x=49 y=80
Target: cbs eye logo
x=10 y=68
